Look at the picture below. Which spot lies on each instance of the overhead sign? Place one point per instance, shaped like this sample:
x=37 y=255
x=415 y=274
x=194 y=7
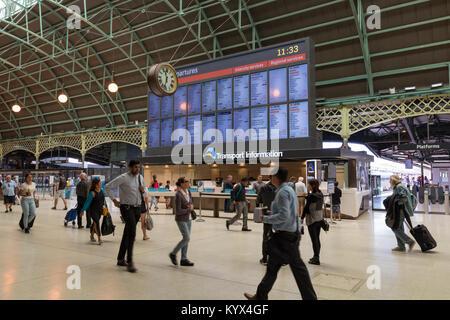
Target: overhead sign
x=421 y=147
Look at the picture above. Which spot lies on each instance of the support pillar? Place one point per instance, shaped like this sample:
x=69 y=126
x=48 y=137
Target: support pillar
x=37 y=162
x=83 y=151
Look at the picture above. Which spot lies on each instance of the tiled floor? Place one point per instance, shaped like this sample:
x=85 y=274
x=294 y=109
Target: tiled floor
x=33 y=266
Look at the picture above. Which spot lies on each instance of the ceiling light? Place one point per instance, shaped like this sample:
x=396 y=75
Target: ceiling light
x=383 y=92
x=113 y=87
x=437 y=85
x=63 y=98
x=16 y=107
x=413 y=88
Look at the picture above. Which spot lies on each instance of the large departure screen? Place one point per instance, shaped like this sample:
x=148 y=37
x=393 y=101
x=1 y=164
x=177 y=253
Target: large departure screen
x=224 y=122
x=224 y=94
x=268 y=90
x=209 y=96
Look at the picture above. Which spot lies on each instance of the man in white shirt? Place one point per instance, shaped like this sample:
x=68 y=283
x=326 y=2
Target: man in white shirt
x=9 y=189
x=300 y=190
x=131 y=194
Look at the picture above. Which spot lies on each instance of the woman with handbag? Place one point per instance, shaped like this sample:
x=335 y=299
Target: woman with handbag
x=184 y=208
x=314 y=217
x=96 y=203
x=28 y=193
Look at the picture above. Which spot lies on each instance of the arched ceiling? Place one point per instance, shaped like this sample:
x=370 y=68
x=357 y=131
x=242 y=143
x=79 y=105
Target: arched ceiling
x=40 y=55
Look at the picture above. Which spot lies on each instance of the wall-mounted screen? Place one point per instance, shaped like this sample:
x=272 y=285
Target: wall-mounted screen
x=179 y=123
x=194 y=98
x=166 y=132
x=167 y=106
x=298 y=82
x=180 y=101
x=267 y=90
x=153 y=106
x=278 y=121
x=259 y=123
x=278 y=85
x=224 y=122
x=209 y=96
x=298 y=120
x=241 y=91
x=195 y=128
x=208 y=122
x=153 y=133
x=224 y=94
x=259 y=88
x=241 y=122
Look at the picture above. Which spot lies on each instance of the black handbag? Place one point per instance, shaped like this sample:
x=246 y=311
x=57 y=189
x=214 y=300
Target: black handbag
x=143 y=206
x=193 y=215
x=107 y=225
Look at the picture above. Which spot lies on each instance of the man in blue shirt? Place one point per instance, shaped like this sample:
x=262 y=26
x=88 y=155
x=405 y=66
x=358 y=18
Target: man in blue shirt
x=9 y=189
x=284 y=244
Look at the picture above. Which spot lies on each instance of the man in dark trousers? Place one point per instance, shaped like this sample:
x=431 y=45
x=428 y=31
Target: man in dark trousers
x=227 y=184
x=131 y=190
x=82 y=191
x=336 y=199
x=240 y=203
x=284 y=243
x=266 y=195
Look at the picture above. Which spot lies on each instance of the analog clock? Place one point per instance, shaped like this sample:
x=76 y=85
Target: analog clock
x=162 y=79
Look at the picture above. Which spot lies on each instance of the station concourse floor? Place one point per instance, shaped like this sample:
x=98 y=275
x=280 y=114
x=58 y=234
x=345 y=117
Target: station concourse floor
x=33 y=266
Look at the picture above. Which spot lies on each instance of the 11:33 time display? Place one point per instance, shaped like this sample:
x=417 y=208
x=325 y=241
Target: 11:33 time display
x=286 y=51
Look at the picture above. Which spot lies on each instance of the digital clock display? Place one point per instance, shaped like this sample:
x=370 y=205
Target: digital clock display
x=288 y=50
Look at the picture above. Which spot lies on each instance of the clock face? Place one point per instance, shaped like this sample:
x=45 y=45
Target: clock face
x=167 y=79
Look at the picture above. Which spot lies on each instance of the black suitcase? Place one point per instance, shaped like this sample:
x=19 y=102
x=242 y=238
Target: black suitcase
x=422 y=236
x=29 y=223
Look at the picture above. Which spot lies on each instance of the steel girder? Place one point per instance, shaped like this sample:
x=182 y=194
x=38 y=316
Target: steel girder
x=82 y=142
x=29 y=45
x=349 y=119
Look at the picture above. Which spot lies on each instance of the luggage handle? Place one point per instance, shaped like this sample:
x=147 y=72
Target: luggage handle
x=408 y=221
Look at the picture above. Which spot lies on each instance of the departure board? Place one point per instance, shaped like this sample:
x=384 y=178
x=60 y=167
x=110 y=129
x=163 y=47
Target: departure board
x=209 y=96
x=179 y=123
x=194 y=98
x=208 y=122
x=298 y=120
x=153 y=133
x=266 y=89
x=278 y=85
x=241 y=91
x=242 y=122
x=180 y=101
x=195 y=129
x=166 y=106
x=298 y=82
x=224 y=122
x=259 y=123
x=278 y=121
x=166 y=132
x=224 y=94
x=259 y=88
x=153 y=106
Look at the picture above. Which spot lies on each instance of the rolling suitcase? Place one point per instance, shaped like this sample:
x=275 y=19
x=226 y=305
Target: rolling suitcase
x=421 y=234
